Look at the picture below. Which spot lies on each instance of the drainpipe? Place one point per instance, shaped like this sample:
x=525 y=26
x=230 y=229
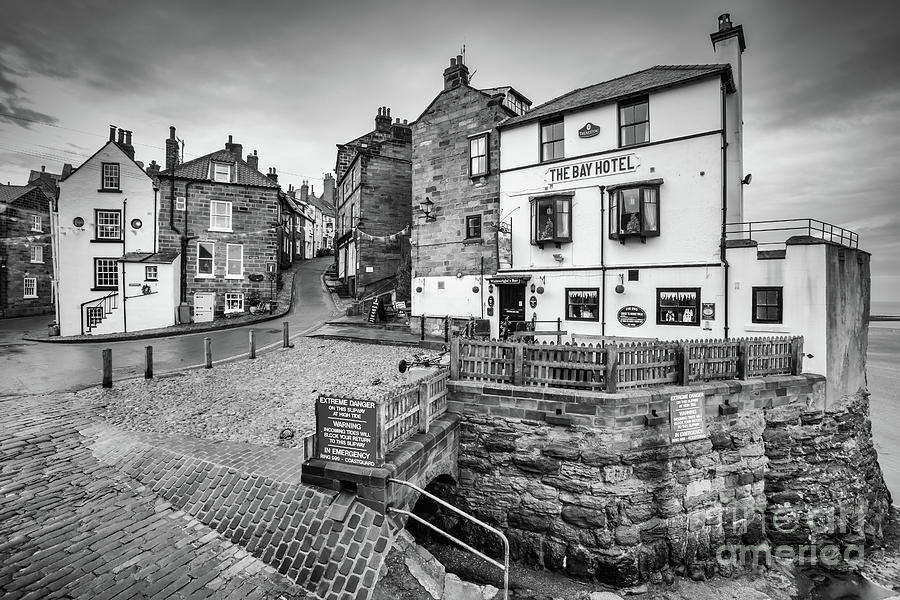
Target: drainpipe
x=124 y=252
x=185 y=238
x=722 y=255
x=481 y=286
x=602 y=262
x=155 y=210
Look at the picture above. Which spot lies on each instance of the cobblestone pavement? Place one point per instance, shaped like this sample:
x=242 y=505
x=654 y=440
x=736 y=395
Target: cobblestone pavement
x=89 y=511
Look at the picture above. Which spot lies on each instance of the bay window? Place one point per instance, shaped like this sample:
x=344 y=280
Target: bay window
x=634 y=212
x=551 y=219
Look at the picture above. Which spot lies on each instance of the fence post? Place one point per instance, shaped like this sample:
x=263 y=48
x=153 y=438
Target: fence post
x=148 y=362
x=683 y=356
x=252 y=353
x=207 y=352
x=612 y=367
x=446 y=329
x=454 y=358
x=107 y=367
x=286 y=335
x=796 y=356
x=424 y=406
x=381 y=442
x=518 y=363
x=423 y=329
x=743 y=363
x=558 y=328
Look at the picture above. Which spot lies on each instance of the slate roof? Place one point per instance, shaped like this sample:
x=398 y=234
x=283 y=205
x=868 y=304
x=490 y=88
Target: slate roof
x=322 y=204
x=199 y=169
x=8 y=193
x=166 y=256
x=654 y=78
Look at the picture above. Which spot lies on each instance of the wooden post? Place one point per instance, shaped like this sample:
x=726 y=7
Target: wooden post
x=286 y=335
x=796 y=356
x=252 y=353
x=107 y=367
x=207 y=352
x=381 y=442
x=425 y=406
x=518 y=364
x=446 y=329
x=743 y=365
x=454 y=358
x=612 y=367
x=148 y=362
x=558 y=328
x=423 y=329
x=683 y=356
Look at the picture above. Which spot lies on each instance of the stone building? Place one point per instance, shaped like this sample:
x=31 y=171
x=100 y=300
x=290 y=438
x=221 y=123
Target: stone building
x=456 y=176
x=223 y=216
x=373 y=206
x=26 y=253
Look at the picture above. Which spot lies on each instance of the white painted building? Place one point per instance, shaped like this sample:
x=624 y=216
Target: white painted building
x=621 y=214
x=109 y=275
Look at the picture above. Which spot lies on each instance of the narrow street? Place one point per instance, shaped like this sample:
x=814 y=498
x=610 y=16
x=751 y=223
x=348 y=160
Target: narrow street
x=37 y=368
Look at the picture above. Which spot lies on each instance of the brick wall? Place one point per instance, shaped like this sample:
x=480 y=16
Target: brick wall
x=16 y=241
x=441 y=173
x=255 y=225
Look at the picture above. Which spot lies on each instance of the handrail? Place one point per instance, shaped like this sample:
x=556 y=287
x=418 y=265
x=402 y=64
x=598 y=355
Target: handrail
x=465 y=515
x=104 y=301
x=826 y=231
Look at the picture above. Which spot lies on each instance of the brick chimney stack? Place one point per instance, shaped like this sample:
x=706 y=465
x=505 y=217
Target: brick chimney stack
x=383 y=120
x=456 y=74
x=236 y=149
x=328 y=188
x=112 y=133
x=272 y=174
x=128 y=147
x=171 y=150
x=304 y=191
x=253 y=161
x=152 y=169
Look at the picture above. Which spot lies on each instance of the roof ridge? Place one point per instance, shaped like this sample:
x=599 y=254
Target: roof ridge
x=560 y=97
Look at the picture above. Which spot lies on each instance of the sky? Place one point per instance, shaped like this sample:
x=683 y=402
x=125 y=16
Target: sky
x=291 y=79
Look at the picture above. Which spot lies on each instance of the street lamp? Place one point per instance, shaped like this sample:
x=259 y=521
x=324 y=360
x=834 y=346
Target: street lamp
x=427 y=208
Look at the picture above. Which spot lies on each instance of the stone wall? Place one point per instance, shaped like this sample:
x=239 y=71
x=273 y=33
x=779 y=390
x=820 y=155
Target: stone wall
x=16 y=240
x=591 y=484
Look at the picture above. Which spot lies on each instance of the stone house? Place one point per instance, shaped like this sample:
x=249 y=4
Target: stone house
x=26 y=252
x=319 y=214
x=373 y=206
x=111 y=274
x=456 y=171
x=224 y=217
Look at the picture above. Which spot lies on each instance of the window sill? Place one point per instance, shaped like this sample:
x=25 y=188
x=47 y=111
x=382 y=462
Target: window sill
x=234 y=311
x=29 y=297
x=479 y=175
x=678 y=323
x=105 y=289
x=101 y=241
x=104 y=191
x=553 y=160
x=767 y=328
x=234 y=277
x=204 y=276
x=37 y=230
x=220 y=230
x=36 y=262
x=151 y=280
x=469 y=241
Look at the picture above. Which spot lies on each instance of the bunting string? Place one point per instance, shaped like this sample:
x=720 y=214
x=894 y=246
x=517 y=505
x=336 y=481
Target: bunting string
x=382 y=238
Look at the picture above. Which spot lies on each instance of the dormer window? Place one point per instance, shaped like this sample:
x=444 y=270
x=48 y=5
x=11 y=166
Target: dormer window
x=221 y=172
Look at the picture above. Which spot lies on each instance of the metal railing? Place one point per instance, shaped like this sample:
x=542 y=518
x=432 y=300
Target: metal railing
x=107 y=303
x=504 y=567
x=776 y=231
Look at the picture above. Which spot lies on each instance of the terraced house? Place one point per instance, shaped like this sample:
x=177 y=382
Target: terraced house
x=26 y=256
x=223 y=216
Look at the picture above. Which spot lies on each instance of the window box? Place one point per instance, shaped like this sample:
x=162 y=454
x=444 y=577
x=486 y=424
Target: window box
x=767 y=304
x=206 y=252
x=634 y=211
x=551 y=219
x=634 y=122
x=582 y=304
x=109 y=179
x=108 y=225
x=678 y=306
x=552 y=140
x=106 y=274
x=478 y=155
x=29 y=287
x=220 y=216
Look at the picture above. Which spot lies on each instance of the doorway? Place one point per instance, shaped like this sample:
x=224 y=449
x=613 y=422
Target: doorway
x=512 y=308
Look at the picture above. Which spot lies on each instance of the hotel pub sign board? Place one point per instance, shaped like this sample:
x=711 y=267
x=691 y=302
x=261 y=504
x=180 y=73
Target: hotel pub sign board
x=598 y=167
x=347 y=430
x=687 y=417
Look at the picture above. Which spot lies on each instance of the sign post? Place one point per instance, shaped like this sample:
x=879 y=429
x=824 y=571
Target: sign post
x=687 y=417
x=347 y=430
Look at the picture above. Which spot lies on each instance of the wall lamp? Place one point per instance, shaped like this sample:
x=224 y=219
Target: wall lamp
x=746 y=180
x=620 y=289
x=427 y=208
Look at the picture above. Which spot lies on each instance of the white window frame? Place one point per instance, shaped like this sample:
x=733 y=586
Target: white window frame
x=151 y=273
x=111 y=176
x=214 y=214
x=212 y=261
x=98 y=214
x=232 y=297
x=107 y=286
x=180 y=203
x=229 y=261
x=221 y=172
x=37 y=254
x=94 y=316
x=32 y=283
x=474 y=159
x=37 y=223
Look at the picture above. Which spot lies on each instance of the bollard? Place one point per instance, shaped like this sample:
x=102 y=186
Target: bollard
x=148 y=362
x=446 y=329
x=252 y=344
x=107 y=368
x=286 y=341
x=207 y=352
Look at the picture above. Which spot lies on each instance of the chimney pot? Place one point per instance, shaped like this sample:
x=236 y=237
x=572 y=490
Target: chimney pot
x=452 y=62
x=389 y=111
x=459 y=60
x=404 y=122
x=229 y=139
x=43 y=168
x=112 y=133
x=121 y=136
x=128 y=137
x=724 y=21
x=171 y=132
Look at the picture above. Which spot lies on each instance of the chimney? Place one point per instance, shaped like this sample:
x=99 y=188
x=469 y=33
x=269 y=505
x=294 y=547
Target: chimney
x=328 y=191
x=171 y=150
x=304 y=191
x=152 y=169
x=128 y=147
x=383 y=120
x=112 y=133
x=401 y=131
x=456 y=74
x=272 y=175
x=66 y=170
x=236 y=149
x=253 y=161
x=43 y=168
x=121 y=137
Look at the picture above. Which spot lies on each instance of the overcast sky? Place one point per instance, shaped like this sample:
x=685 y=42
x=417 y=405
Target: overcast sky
x=291 y=79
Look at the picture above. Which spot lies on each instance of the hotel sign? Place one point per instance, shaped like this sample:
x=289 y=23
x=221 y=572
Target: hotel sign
x=588 y=131
x=601 y=167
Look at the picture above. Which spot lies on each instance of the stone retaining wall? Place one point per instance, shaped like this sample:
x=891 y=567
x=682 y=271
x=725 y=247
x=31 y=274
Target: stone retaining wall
x=591 y=484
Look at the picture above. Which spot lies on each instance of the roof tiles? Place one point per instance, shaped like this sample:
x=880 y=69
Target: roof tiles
x=199 y=169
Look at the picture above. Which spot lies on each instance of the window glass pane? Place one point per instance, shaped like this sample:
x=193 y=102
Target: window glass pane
x=545 y=223
x=640 y=111
x=628 y=136
x=626 y=115
x=651 y=211
x=772 y=298
x=562 y=219
x=641 y=133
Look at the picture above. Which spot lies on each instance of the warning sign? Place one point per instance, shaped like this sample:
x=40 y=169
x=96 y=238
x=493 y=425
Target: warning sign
x=687 y=417
x=347 y=430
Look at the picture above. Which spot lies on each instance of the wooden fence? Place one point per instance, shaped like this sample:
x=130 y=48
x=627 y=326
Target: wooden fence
x=615 y=366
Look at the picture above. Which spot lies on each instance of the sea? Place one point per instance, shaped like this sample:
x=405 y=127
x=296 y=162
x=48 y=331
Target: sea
x=883 y=378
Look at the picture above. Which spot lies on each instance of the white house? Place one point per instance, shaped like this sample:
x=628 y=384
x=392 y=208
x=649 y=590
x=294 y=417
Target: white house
x=621 y=214
x=110 y=276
